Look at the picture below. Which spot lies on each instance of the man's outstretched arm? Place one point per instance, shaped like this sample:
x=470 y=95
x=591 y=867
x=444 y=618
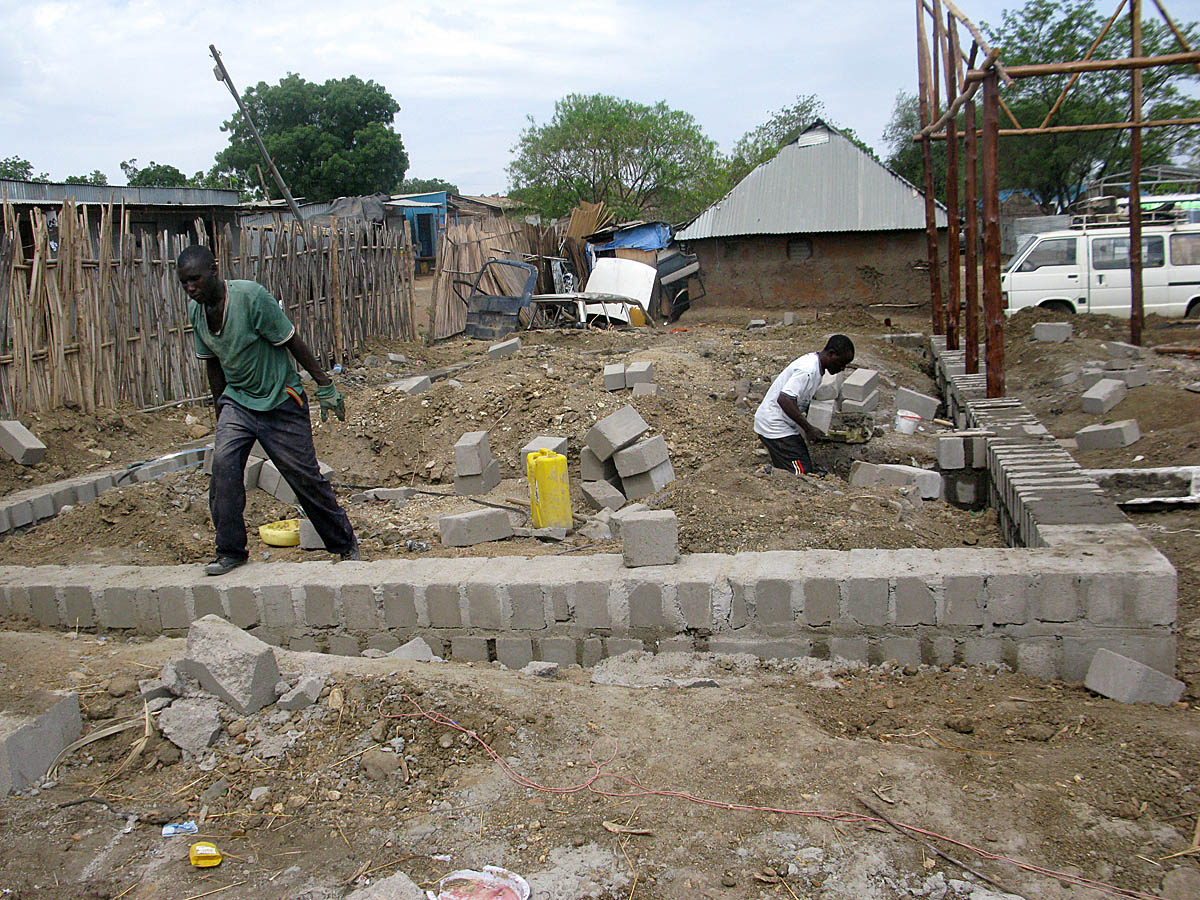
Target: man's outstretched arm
x=308 y=360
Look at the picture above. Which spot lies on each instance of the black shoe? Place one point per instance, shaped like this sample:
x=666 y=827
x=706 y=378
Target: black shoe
x=223 y=564
x=352 y=554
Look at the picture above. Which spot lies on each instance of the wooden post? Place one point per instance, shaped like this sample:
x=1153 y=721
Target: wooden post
x=972 y=251
x=953 y=273
x=923 y=72
x=1136 y=309
x=993 y=314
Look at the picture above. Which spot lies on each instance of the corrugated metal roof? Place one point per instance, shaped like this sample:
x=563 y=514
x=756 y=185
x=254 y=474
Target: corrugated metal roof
x=818 y=183
x=33 y=192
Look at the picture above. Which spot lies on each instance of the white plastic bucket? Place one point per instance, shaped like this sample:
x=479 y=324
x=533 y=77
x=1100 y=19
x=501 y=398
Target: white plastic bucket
x=907 y=421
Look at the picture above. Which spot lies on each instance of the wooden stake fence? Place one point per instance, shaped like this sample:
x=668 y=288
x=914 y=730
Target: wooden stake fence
x=102 y=321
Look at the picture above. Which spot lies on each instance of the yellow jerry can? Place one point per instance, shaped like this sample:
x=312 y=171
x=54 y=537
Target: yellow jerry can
x=549 y=489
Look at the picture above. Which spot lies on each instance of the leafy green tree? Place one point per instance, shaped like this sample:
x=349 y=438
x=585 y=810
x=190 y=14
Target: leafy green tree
x=904 y=154
x=328 y=140
x=638 y=159
x=1055 y=167
x=19 y=170
x=154 y=175
x=762 y=143
x=97 y=177
x=425 y=186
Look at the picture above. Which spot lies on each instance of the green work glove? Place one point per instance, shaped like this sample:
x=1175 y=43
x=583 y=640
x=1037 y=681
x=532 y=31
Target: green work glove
x=332 y=401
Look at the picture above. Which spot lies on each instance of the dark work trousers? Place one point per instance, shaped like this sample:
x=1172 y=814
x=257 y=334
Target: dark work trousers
x=286 y=435
x=789 y=453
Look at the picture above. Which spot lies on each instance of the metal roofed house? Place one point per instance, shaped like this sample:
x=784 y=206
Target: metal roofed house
x=822 y=223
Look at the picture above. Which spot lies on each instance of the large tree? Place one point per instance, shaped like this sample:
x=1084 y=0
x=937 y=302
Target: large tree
x=96 y=177
x=762 y=143
x=638 y=159
x=328 y=140
x=1055 y=167
x=19 y=170
x=425 y=186
x=154 y=175
x=904 y=154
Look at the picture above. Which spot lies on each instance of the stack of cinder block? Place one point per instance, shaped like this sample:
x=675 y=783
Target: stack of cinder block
x=962 y=458
x=638 y=375
x=860 y=391
x=476 y=471
x=616 y=466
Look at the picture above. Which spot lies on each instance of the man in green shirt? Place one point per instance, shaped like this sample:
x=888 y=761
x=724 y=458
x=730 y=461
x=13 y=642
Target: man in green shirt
x=244 y=338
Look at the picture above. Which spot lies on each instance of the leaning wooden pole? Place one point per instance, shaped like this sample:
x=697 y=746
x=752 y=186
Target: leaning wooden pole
x=971 y=201
x=923 y=76
x=993 y=314
x=953 y=273
x=1136 y=309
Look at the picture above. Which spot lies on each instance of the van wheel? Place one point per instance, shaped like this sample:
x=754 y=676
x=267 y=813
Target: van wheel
x=1193 y=310
x=1059 y=306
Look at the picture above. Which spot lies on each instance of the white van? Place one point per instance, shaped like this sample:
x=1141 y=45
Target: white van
x=1086 y=269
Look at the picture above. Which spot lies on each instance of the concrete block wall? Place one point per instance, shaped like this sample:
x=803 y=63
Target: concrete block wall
x=1042 y=611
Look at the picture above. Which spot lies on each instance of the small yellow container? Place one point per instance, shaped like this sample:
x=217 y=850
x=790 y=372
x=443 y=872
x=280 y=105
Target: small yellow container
x=203 y=854
x=284 y=533
x=549 y=489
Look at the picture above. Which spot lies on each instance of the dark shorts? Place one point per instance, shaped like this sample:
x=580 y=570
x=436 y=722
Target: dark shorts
x=789 y=453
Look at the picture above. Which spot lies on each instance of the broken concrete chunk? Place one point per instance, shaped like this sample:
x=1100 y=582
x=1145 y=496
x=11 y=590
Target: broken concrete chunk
x=232 y=665
x=20 y=443
x=541 y=669
x=29 y=742
x=393 y=887
x=378 y=764
x=1129 y=681
x=306 y=692
x=757 y=323
x=418 y=384
x=416 y=649
x=154 y=689
x=1122 y=350
x=399 y=495
x=475 y=527
x=191 y=725
x=615 y=432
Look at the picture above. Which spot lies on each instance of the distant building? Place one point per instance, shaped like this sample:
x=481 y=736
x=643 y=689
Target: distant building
x=822 y=223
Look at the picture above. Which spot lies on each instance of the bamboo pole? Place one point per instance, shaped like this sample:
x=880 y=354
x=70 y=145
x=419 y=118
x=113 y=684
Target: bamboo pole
x=992 y=312
x=1136 y=309
x=931 y=245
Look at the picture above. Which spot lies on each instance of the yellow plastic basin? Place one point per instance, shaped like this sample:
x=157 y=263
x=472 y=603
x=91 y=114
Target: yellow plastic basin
x=284 y=533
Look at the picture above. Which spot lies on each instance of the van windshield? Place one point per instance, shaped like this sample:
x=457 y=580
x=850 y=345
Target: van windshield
x=1029 y=239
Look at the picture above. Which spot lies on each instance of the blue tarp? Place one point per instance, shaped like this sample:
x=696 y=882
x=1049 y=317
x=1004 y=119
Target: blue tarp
x=650 y=236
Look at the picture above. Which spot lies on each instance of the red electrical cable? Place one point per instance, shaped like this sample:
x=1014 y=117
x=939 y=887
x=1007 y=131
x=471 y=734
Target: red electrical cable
x=833 y=815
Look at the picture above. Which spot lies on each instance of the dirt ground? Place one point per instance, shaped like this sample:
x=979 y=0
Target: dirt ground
x=1046 y=774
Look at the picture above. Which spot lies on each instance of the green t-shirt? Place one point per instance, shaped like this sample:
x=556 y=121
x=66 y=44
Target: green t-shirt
x=258 y=369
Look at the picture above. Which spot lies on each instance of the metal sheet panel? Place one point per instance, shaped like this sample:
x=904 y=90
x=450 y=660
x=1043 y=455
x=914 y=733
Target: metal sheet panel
x=815 y=185
x=34 y=192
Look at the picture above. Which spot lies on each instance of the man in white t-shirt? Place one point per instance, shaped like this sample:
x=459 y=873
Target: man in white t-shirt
x=780 y=421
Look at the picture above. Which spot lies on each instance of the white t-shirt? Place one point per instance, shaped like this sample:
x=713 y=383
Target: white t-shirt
x=800 y=379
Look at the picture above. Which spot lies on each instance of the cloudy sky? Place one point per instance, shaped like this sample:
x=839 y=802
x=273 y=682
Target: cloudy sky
x=85 y=85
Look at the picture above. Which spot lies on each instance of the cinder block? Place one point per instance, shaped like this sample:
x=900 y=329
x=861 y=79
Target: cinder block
x=614 y=377
x=250 y=475
x=1009 y=599
x=115 y=608
x=820 y=414
x=319 y=605
x=559 y=650
x=615 y=432
x=441 y=603
x=472 y=453
x=43 y=603
x=1103 y=396
x=592 y=468
x=383 y=640
x=863 y=474
x=1129 y=681
x=483 y=606
x=528 y=606
x=982 y=651
x=830 y=386
x=904 y=650
x=1053 y=332
x=789 y=318
x=305 y=643
x=694 y=599
x=1039 y=658
x=756 y=323
x=644 y=484
x=78 y=611
x=922 y=404
x=602 y=495
x=43 y=506
x=1089 y=376
x=30 y=742
x=942 y=649
x=1066 y=380
x=645 y=389
x=1135 y=376
x=20 y=443
x=641 y=456
x=951 y=452
x=206 y=601
x=504 y=348
x=617 y=646
x=867 y=600
x=514 y=652
x=359 y=611
x=646 y=606
x=243 y=606
x=541 y=442
x=343 y=645
x=859 y=384
x=639 y=373
x=1108 y=437
x=853 y=649
x=964 y=600
x=589 y=604
x=928 y=481
x=914 y=602
x=650 y=538
x=418 y=384
x=867 y=404
x=468 y=485
x=773 y=601
x=399 y=605
x=1122 y=350
x=309 y=539
x=822 y=601
x=278 y=606
x=475 y=527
